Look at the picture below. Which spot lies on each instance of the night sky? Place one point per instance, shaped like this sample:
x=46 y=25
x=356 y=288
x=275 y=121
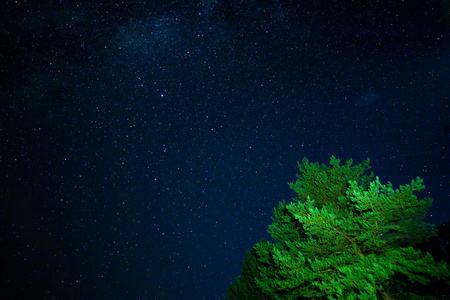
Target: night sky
x=144 y=145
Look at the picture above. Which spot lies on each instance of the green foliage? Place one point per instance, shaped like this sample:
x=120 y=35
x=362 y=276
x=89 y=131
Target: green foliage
x=345 y=236
x=245 y=286
x=324 y=183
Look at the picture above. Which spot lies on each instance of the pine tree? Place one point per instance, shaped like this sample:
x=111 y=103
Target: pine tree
x=345 y=236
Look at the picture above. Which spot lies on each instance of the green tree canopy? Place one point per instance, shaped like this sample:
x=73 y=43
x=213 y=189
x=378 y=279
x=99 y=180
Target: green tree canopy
x=345 y=236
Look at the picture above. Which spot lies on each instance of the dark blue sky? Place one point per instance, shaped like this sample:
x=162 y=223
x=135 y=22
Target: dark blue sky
x=144 y=146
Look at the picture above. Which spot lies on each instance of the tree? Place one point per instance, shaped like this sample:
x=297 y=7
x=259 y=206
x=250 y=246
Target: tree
x=345 y=236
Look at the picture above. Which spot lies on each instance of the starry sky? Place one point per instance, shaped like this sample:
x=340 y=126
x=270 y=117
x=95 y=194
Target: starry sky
x=144 y=145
